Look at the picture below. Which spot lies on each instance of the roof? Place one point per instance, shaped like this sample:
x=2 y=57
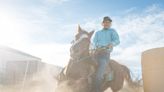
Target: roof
x=10 y=54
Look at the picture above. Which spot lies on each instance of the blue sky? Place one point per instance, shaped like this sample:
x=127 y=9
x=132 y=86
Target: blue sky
x=45 y=28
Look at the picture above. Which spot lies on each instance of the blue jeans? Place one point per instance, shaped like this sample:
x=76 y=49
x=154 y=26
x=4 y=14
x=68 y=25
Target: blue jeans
x=102 y=59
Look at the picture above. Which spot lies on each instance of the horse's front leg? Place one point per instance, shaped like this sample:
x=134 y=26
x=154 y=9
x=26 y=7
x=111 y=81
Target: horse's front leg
x=114 y=90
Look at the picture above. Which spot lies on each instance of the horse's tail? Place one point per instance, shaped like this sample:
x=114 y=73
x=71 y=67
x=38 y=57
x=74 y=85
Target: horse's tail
x=127 y=76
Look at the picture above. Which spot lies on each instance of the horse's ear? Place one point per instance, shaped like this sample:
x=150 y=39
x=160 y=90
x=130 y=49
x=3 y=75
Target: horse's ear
x=79 y=29
x=91 y=33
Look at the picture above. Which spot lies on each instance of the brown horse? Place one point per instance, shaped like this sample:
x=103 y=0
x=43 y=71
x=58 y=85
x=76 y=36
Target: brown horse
x=80 y=71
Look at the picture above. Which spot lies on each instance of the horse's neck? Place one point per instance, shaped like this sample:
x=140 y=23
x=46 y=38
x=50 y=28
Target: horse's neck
x=86 y=54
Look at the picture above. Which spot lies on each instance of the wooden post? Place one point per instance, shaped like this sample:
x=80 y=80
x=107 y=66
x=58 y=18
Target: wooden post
x=153 y=70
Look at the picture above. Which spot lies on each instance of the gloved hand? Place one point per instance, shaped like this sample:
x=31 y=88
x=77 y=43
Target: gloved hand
x=110 y=46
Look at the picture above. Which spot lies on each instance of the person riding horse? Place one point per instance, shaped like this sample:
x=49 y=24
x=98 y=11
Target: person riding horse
x=79 y=74
x=105 y=39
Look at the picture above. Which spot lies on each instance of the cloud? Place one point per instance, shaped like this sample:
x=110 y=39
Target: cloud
x=130 y=10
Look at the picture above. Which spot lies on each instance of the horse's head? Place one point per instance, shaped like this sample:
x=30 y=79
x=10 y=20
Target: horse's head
x=80 y=45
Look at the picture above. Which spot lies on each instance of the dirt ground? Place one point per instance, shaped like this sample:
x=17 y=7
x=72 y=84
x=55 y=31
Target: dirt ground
x=44 y=81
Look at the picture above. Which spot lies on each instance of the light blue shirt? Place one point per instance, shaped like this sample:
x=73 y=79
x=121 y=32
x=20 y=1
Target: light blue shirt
x=105 y=37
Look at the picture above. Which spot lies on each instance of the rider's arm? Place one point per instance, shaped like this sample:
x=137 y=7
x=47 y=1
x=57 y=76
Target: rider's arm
x=115 y=38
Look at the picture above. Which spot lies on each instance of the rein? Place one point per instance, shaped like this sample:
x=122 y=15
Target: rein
x=78 y=58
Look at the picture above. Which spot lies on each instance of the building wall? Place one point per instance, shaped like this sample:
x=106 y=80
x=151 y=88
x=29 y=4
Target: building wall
x=13 y=72
x=14 y=65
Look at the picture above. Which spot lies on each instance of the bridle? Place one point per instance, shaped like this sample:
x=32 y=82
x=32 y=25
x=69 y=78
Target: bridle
x=83 y=50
